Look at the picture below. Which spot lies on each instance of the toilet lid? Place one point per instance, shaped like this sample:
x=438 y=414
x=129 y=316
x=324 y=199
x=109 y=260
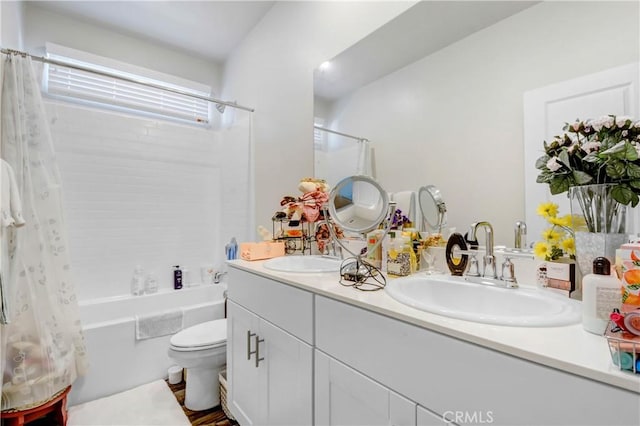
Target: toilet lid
x=208 y=333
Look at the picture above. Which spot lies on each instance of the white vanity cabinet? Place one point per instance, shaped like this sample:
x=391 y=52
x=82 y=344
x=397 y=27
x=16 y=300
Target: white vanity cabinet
x=344 y=397
x=455 y=379
x=269 y=365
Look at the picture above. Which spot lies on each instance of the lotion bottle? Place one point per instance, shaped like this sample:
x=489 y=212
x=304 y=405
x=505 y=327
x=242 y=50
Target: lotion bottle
x=600 y=295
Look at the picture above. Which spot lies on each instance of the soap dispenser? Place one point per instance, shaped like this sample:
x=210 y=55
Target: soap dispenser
x=600 y=295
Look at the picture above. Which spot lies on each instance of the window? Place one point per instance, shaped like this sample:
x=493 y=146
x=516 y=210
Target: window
x=101 y=90
x=319 y=137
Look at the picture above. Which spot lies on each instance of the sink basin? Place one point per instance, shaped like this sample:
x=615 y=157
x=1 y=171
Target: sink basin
x=302 y=264
x=457 y=297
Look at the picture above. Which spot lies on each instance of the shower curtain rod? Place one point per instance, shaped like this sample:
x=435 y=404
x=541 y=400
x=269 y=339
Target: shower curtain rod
x=129 y=79
x=335 y=132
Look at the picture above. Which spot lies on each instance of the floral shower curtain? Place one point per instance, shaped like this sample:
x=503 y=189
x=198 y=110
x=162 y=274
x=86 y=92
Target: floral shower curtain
x=42 y=348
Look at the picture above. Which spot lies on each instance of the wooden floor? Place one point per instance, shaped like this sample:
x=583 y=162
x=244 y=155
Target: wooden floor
x=212 y=417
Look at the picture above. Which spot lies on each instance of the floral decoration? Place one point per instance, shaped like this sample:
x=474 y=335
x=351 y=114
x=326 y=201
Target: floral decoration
x=557 y=240
x=602 y=150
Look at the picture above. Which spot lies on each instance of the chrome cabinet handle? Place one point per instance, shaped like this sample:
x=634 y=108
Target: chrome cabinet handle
x=257 y=352
x=249 y=351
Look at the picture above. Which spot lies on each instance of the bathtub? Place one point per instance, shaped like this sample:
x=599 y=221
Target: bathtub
x=117 y=361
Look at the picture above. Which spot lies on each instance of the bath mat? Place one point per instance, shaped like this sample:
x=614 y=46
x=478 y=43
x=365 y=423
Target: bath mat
x=152 y=404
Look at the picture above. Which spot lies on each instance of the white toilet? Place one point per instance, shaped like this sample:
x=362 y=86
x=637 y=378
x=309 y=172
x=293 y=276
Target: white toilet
x=202 y=351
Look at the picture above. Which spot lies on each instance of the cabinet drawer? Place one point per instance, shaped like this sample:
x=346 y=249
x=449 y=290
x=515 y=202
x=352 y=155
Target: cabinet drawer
x=287 y=307
x=448 y=375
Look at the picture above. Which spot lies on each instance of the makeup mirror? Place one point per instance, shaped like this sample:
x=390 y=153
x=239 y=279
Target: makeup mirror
x=432 y=208
x=358 y=204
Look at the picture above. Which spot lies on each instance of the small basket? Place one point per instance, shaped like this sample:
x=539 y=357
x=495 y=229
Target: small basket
x=624 y=348
x=222 y=376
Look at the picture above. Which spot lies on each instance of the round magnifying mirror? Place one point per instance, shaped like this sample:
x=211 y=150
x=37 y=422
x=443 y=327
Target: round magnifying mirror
x=358 y=204
x=432 y=207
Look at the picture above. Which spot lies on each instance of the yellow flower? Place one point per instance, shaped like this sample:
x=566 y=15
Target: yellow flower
x=547 y=209
x=541 y=249
x=568 y=245
x=578 y=223
x=551 y=236
x=564 y=221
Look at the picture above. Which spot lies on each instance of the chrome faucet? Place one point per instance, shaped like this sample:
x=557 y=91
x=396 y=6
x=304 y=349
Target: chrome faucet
x=217 y=277
x=521 y=235
x=489 y=260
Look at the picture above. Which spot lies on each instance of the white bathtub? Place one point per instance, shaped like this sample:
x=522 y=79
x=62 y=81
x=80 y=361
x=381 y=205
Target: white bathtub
x=117 y=361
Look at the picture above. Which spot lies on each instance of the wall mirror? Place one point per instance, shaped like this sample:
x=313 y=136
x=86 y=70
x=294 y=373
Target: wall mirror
x=432 y=208
x=440 y=93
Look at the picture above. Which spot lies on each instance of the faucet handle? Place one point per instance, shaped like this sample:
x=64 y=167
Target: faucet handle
x=508 y=273
x=474 y=268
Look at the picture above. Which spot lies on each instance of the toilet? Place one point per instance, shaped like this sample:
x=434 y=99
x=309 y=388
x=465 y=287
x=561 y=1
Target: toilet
x=202 y=351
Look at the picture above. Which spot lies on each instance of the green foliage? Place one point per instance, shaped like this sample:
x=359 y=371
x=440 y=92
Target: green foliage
x=604 y=150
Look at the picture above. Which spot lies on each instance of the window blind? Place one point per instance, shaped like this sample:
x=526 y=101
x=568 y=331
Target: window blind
x=73 y=84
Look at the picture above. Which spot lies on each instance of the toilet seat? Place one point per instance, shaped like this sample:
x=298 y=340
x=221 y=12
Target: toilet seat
x=206 y=335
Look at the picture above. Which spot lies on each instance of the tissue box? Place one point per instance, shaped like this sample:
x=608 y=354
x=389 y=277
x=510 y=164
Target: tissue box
x=262 y=250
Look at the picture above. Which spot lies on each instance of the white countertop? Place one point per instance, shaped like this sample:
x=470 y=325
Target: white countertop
x=567 y=348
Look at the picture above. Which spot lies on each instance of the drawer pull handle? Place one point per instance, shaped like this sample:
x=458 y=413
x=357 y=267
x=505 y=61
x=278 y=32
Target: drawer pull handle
x=249 y=351
x=257 y=352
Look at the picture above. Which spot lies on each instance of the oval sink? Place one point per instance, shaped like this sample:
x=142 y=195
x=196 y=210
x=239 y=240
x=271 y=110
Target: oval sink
x=302 y=264
x=457 y=297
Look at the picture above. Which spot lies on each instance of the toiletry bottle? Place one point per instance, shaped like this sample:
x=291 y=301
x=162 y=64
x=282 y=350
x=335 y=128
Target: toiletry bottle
x=137 y=281
x=600 y=295
x=177 y=277
x=151 y=284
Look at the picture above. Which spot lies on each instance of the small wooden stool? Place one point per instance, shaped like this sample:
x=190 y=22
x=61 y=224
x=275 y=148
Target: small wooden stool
x=56 y=405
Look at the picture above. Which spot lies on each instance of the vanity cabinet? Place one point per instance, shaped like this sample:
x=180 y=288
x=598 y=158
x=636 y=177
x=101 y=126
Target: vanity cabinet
x=456 y=379
x=269 y=367
x=328 y=362
x=345 y=397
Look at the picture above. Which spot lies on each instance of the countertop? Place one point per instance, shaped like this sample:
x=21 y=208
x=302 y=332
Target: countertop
x=566 y=348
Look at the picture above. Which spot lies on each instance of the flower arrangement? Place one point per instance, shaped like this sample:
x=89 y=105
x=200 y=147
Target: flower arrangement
x=398 y=220
x=602 y=150
x=558 y=239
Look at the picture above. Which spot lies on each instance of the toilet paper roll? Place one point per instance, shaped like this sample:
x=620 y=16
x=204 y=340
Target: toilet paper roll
x=175 y=374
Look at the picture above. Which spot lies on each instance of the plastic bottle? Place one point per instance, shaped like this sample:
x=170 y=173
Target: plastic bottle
x=177 y=277
x=137 y=281
x=600 y=295
x=151 y=284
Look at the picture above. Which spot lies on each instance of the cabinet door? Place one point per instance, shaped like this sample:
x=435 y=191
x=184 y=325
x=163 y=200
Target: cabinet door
x=346 y=397
x=246 y=397
x=287 y=372
x=427 y=418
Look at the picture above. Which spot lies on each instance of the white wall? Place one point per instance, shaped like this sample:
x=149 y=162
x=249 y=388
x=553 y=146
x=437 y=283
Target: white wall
x=272 y=70
x=45 y=26
x=455 y=118
x=11 y=22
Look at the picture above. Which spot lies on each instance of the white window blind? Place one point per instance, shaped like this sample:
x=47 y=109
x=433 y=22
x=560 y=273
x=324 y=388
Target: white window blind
x=319 y=143
x=73 y=84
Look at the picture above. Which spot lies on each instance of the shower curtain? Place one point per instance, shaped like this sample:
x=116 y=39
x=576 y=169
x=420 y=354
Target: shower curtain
x=42 y=348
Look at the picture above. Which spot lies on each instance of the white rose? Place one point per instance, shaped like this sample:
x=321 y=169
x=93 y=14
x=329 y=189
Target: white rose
x=591 y=146
x=608 y=122
x=623 y=119
x=553 y=164
x=597 y=123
